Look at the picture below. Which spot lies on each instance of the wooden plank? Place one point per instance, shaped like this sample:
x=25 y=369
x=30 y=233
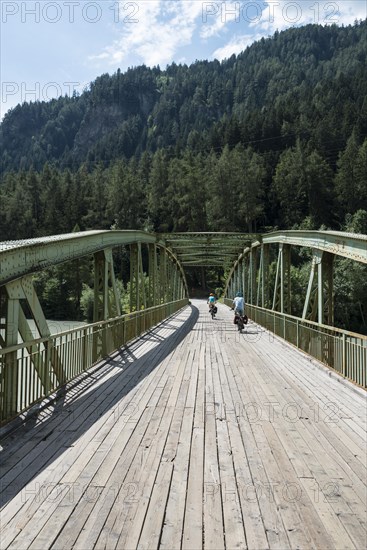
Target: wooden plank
x=253 y=524
x=323 y=431
x=232 y=514
x=153 y=523
x=84 y=411
x=275 y=530
x=335 y=530
x=127 y=525
x=77 y=487
x=133 y=519
x=193 y=520
x=134 y=475
x=356 y=531
x=31 y=506
x=174 y=518
x=349 y=404
x=213 y=516
x=95 y=524
x=72 y=523
x=173 y=523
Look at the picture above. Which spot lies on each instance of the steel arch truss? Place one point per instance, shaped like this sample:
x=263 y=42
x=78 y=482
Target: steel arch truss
x=250 y=272
x=164 y=282
x=207 y=249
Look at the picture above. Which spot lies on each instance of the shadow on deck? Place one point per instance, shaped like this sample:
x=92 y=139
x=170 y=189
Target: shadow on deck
x=192 y=437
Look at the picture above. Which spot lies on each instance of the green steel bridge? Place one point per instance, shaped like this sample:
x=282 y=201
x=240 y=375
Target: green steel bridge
x=186 y=383
x=35 y=368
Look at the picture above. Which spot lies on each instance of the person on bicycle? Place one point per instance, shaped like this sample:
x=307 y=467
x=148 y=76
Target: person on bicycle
x=239 y=304
x=211 y=301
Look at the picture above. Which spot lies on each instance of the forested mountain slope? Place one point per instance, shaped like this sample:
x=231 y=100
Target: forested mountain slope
x=309 y=82
x=273 y=138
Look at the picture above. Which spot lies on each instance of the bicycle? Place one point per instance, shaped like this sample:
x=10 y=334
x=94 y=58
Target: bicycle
x=240 y=320
x=213 y=310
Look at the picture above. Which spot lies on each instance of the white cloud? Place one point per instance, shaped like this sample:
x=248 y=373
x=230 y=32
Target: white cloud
x=216 y=16
x=350 y=10
x=162 y=27
x=282 y=14
x=236 y=45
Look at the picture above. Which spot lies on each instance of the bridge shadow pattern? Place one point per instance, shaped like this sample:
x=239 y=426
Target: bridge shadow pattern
x=53 y=434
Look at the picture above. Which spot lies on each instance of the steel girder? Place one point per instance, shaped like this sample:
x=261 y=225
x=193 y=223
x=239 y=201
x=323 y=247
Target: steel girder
x=106 y=304
x=347 y=245
x=249 y=271
x=207 y=249
x=18 y=292
x=19 y=259
x=319 y=301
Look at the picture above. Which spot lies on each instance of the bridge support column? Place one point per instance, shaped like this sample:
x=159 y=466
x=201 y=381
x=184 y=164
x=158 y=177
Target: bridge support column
x=134 y=277
x=327 y=278
x=251 y=277
x=43 y=357
x=319 y=303
x=141 y=280
x=243 y=274
x=9 y=369
x=264 y=275
x=169 y=281
x=238 y=279
x=163 y=275
x=253 y=270
x=231 y=288
x=248 y=272
x=175 y=275
x=105 y=304
x=282 y=286
x=153 y=275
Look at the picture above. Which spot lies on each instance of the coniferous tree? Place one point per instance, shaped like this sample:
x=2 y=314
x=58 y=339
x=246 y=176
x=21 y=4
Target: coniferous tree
x=346 y=180
x=157 y=200
x=291 y=186
x=249 y=171
x=361 y=175
x=319 y=190
x=222 y=194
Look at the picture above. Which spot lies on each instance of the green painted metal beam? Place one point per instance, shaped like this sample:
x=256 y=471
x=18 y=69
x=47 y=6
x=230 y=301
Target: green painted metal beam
x=208 y=249
x=18 y=258
x=347 y=245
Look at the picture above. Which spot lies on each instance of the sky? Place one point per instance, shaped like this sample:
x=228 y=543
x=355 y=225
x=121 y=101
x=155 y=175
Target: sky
x=51 y=48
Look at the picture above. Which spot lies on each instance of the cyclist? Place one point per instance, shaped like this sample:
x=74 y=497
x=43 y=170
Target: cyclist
x=211 y=301
x=238 y=305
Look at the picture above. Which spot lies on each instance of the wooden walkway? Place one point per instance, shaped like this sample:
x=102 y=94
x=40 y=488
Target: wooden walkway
x=193 y=437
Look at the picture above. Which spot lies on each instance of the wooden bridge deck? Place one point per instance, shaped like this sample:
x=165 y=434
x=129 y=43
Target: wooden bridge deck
x=193 y=437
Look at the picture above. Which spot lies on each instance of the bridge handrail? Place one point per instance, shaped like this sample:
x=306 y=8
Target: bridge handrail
x=83 y=327
x=228 y=301
x=34 y=370
x=341 y=350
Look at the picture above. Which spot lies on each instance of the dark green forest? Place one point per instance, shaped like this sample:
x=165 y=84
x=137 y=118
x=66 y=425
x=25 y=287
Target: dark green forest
x=274 y=138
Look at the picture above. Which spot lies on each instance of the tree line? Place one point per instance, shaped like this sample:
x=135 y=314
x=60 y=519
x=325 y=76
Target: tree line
x=236 y=189
x=274 y=138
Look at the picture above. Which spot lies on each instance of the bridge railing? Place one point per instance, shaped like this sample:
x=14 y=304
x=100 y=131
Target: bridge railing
x=343 y=351
x=32 y=371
